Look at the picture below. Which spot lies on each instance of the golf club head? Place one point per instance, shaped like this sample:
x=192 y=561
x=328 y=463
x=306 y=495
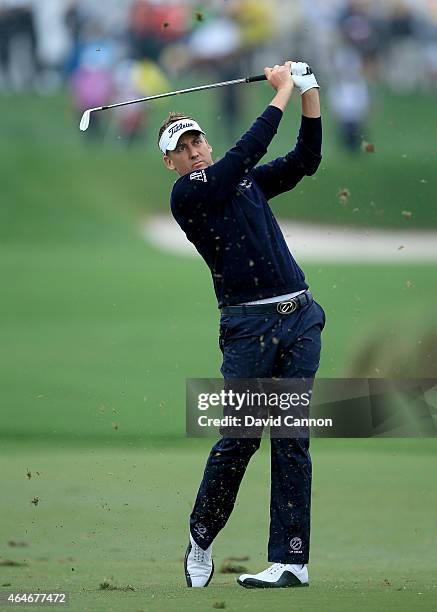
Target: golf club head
x=85 y=121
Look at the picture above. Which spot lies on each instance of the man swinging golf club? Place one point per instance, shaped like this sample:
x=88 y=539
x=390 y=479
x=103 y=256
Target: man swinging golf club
x=270 y=324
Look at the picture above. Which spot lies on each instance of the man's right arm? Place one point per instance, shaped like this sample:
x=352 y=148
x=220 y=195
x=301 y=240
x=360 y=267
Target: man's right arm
x=220 y=180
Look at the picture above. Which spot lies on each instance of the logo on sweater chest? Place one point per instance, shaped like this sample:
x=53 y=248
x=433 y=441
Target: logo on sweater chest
x=246 y=183
x=198 y=176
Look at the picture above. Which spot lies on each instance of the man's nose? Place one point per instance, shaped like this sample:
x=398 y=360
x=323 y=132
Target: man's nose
x=193 y=152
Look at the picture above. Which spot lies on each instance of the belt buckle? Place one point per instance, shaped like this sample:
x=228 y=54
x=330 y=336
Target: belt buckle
x=287 y=307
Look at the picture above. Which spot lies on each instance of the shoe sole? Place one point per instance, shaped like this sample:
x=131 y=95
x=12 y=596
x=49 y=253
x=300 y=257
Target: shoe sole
x=187 y=575
x=286 y=581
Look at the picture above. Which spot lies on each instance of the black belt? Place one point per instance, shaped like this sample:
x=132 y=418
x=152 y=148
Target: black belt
x=284 y=308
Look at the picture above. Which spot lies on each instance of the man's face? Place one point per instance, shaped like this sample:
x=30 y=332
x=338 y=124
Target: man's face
x=193 y=152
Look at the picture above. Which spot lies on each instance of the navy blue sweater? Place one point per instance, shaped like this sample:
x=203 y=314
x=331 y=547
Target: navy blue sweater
x=224 y=212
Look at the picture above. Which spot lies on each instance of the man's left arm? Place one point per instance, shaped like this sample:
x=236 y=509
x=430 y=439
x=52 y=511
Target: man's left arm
x=283 y=173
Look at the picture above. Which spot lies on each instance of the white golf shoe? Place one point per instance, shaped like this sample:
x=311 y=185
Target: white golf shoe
x=278 y=575
x=198 y=564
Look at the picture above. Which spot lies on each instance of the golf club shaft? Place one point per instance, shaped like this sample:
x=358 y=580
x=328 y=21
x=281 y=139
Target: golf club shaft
x=252 y=79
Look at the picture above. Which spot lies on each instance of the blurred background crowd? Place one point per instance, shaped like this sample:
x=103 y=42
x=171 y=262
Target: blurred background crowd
x=116 y=50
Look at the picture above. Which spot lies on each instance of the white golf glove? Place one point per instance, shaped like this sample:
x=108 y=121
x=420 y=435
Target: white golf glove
x=301 y=77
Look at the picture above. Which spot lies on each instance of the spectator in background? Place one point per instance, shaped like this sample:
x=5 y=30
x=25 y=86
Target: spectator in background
x=349 y=98
x=54 y=47
x=75 y=21
x=430 y=52
x=120 y=71
x=256 y=30
x=360 y=30
x=316 y=37
x=19 y=60
x=403 y=59
x=91 y=80
x=257 y=26
x=216 y=46
x=152 y=26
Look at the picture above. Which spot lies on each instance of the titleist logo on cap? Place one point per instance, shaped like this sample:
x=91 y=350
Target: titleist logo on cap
x=173 y=129
x=173 y=132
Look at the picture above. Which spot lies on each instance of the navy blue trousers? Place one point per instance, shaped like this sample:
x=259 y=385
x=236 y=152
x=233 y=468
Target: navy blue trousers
x=264 y=346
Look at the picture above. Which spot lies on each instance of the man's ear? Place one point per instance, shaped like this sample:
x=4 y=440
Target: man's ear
x=209 y=146
x=168 y=163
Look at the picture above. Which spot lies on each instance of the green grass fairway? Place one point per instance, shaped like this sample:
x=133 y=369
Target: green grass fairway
x=120 y=514
x=97 y=337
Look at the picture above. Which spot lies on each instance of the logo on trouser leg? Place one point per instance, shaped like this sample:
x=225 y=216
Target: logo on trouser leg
x=199 y=529
x=296 y=545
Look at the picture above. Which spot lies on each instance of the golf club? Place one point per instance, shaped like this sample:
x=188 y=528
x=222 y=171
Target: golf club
x=85 y=121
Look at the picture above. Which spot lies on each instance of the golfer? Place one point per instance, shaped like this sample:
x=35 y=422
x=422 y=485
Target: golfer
x=270 y=325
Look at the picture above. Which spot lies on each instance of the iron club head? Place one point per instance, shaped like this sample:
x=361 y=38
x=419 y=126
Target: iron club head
x=85 y=121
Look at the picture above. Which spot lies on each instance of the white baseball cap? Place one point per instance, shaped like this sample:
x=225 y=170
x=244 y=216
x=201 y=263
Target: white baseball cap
x=170 y=136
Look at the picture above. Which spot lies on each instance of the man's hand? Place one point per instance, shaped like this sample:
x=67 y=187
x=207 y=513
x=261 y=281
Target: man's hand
x=280 y=79
x=303 y=79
